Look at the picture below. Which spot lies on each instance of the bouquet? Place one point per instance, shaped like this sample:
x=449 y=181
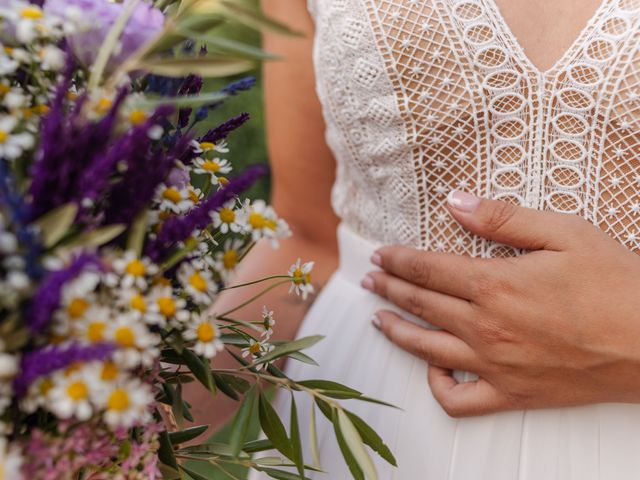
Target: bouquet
x=119 y=226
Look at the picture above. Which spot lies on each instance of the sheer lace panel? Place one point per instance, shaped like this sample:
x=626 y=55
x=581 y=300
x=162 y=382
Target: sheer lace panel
x=421 y=97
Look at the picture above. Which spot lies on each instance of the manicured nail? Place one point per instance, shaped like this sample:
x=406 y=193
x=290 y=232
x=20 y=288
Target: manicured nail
x=375 y=320
x=463 y=201
x=376 y=259
x=367 y=283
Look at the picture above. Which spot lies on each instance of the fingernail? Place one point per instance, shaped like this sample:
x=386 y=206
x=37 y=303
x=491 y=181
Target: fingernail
x=463 y=201
x=376 y=259
x=367 y=283
x=375 y=320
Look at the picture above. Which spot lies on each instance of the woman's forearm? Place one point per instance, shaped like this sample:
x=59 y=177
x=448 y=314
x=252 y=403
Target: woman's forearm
x=289 y=310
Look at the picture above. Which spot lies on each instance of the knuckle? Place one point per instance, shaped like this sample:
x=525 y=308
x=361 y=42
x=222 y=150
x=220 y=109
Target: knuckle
x=499 y=216
x=415 y=303
x=451 y=407
x=419 y=270
x=492 y=333
x=425 y=351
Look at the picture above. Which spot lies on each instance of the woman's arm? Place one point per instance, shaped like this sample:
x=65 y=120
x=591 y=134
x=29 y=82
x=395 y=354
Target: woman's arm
x=302 y=175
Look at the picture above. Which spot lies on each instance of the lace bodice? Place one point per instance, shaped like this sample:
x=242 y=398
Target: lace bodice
x=423 y=96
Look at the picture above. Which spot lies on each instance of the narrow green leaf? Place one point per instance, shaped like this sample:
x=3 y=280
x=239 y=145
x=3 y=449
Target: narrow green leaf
x=258 y=446
x=200 y=369
x=280 y=474
x=187 y=434
x=224 y=387
x=183 y=101
x=289 y=347
x=135 y=239
x=313 y=437
x=303 y=357
x=240 y=424
x=217 y=449
x=193 y=474
x=55 y=224
x=209 y=66
x=165 y=451
x=169 y=473
x=229 y=46
x=178 y=406
x=273 y=428
x=356 y=446
x=325 y=408
x=295 y=438
x=329 y=386
x=354 y=468
x=256 y=19
x=95 y=238
x=371 y=438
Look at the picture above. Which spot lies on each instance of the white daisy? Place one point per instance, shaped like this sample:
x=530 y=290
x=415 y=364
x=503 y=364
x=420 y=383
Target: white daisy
x=10 y=461
x=267 y=322
x=226 y=261
x=197 y=282
x=71 y=394
x=13 y=144
x=301 y=278
x=132 y=271
x=216 y=168
x=164 y=307
x=76 y=299
x=126 y=403
x=220 y=147
x=257 y=349
x=136 y=344
x=174 y=199
x=92 y=327
x=229 y=218
x=206 y=335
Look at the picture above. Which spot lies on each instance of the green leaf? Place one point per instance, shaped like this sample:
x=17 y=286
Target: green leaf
x=273 y=428
x=356 y=445
x=295 y=438
x=255 y=19
x=289 y=347
x=187 y=434
x=229 y=46
x=329 y=386
x=169 y=473
x=257 y=446
x=313 y=437
x=55 y=224
x=371 y=438
x=135 y=239
x=240 y=424
x=212 y=449
x=223 y=385
x=209 y=66
x=303 y=357
x=193 y=474
x=178 y=406
x=96 y=238
x=280 y=474
x=165 y=451
x=192 y=101
x=200 y=369
x=354 y=468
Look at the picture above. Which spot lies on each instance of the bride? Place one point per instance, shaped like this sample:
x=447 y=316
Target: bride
x=487 y=182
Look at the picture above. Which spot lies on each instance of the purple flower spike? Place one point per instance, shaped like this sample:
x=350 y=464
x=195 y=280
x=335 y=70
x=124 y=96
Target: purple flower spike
x=177 y=229
x=223 y=130
x=50 y=359
x=47 y=298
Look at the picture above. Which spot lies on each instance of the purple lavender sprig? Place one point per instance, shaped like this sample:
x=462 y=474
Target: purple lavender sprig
x=49 y=359
x=177 y=229
x=191 y=86
x=223 y=130
x=241 y=85
x=46 y=299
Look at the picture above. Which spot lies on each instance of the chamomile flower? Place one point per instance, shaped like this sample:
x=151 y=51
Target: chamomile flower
x=197 y=282
x=206 y=335
x=71 y=394
x=256 y=349
x=165 y=307
x=132 y=271
x=220 y=147
x=136 y=344
x=133 y=300
x=76 y=299
x=174 y=199
x=37 y=395
x=228 y=218
x=262 y=221
x=301 y=278
x=13 y=144
x=92 y=327
x=216 y=168
x=267 y=322
x=126 y=403
x=10 y=462
x=227 y=260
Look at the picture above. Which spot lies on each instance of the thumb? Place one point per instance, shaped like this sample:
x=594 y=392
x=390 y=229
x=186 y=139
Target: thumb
x=510 y=224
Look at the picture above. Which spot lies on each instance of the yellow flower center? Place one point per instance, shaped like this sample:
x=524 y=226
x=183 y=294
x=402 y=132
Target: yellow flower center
x=230 y=259
x=41 y=109
x=95 y=331
x=77 y=391
x=223 y=180
x=193 y=196
x=45 y=385
x=257 y=220
x=172 y=194
x=125 y=337
x=255 y=348
x=136 y=117
x=103 y=105
x=211 y=166
x=271 y=224
x=4 y=89
x=31 y=12
x=118 y=400
x=198 y=282
x=301 y=278
x=167 y=306
x=4 y=135
x=227 y=215
x=138 y=303
x=109 y=371
x=135 y=268
x=206 y=332
x=207 y=146
x=77 y=307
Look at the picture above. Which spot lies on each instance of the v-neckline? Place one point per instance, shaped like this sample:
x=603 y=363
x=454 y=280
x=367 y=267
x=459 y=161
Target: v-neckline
x=502 y=24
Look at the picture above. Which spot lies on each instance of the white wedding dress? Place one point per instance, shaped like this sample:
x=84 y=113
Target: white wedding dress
x=423 y=96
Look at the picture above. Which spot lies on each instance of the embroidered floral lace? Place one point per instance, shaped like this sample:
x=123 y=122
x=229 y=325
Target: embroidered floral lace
x=424 y=96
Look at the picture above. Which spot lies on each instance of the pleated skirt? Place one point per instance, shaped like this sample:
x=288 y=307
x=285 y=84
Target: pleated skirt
x=593 y=442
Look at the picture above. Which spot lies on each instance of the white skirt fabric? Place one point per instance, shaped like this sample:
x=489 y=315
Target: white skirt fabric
x=578 y=443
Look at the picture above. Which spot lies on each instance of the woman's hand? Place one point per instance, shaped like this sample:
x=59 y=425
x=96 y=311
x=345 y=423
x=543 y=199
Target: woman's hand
x=557 y=326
